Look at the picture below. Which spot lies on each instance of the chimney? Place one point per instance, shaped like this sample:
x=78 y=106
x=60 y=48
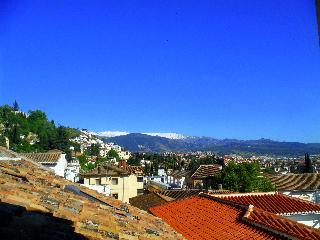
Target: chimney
x=122 y=164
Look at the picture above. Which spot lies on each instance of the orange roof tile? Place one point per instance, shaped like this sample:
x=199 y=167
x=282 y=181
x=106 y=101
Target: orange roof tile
x=210 y=217
x=273 y=202
x=205 y=171
x=269 y=221
x=202 y=218
x=134 y=169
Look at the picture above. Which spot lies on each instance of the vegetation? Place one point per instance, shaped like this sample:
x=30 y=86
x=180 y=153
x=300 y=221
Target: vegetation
x=242 y=177
x=155 y=161
x=87 y=165
x=93 y=150
x=33 y=132
x=85 y=162
x=308 y=162
x=113 y=154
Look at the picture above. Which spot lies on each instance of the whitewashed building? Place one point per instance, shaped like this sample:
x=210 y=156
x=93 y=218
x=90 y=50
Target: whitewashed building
x=54 y=159
x=72 y=170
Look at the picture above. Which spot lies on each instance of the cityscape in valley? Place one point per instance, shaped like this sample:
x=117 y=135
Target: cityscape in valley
x=147 y=120
x=83 y=171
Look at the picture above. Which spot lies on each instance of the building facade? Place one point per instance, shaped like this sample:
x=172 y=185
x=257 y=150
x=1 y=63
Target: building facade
x=116 y=182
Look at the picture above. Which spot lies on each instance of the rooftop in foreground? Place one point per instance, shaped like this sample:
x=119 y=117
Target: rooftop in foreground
x=34 y=203
x=209 y=217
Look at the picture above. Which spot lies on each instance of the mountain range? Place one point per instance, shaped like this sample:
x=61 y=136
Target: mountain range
x=173 y=142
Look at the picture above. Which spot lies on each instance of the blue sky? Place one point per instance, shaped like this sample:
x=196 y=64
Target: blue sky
x=223 y=68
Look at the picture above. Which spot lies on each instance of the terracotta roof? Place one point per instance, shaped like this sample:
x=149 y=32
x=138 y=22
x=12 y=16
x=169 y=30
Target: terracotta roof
x=134 y=169
x=44 y=158
x=36 y=204
x=147 y=201
x=288 y=228
x=202 y=218
x=209 y=217
x=306 y=181
x=179 y=194
x=156 y=198
x=273 y=202
x=105 y=170
x=205 y=171
x=179 y=174
x=5 y=153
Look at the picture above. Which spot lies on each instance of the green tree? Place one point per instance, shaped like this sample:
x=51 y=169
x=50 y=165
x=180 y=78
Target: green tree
x=94 y=150
x=15 y=106
x=243 y=177
x=309 y=168
x=113 y=154
x=147 y=170
x=134 y=161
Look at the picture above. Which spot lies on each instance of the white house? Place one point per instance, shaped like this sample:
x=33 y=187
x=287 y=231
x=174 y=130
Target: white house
x=72 y=170
x=54 y=159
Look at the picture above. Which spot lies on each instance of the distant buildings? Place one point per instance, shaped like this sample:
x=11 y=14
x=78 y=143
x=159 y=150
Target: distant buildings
x=72 y=171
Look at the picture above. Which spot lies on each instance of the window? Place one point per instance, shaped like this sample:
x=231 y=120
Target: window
x=115 y=195
x=140 y=191
x=98 y=181
x=139 y=179
x=114 y=181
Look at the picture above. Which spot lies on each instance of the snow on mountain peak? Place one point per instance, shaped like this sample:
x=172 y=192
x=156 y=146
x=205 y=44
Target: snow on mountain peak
x=168 y=135
x=112 y=133
x=109 y=134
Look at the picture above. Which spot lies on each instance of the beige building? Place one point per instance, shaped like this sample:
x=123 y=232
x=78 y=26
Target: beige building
x=121 y=183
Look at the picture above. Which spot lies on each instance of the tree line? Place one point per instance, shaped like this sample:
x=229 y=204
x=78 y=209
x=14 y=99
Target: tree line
x=33 y=131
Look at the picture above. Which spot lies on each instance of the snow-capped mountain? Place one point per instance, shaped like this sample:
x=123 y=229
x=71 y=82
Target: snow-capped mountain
x=108 y=134
x=168 y=135
x=173 y=142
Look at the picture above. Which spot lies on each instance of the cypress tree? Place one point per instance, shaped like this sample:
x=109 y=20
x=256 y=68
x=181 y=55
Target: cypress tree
x=308 y=163
x=15 y=106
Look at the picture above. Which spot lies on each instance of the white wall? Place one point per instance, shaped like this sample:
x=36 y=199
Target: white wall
x=103 y=189
x=72 y=171
x=313 y=196
x=312 y=220
x=60 y=167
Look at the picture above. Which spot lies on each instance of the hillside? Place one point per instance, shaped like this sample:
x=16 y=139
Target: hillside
x=33 y=131
x=146 y=143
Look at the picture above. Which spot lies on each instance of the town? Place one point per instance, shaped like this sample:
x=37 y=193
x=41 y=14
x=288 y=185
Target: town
x=279 y=188
x=159 y=120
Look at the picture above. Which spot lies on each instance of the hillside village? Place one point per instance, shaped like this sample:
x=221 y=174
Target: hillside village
x=170 y=195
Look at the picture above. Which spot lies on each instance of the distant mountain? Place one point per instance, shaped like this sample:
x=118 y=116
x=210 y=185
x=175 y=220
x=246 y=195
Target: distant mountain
x=168 y=135
x=154 y=143
x=108 y=134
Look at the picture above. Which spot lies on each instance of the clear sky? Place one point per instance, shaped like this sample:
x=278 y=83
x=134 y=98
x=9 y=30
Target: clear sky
x=223 y=68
